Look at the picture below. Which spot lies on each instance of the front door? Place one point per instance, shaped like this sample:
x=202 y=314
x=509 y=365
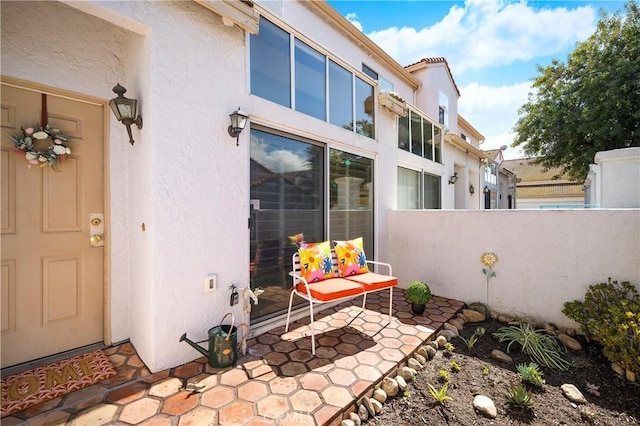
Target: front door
x=52 y=276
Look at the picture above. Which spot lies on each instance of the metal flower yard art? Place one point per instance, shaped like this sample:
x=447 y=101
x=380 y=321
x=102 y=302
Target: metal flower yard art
x=488 y=260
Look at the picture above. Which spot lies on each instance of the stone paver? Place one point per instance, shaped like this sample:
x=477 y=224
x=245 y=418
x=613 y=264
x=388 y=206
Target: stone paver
x=277 y=382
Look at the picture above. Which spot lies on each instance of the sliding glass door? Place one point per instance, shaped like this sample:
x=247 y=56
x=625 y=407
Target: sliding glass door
x=287 y=199
x=288 y=203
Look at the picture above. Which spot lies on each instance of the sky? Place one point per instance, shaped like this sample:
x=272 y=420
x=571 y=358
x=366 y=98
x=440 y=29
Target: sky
x=493 y=47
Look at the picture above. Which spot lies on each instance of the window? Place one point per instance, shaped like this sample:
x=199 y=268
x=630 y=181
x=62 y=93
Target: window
x=340 y=96
x=463 y=136
x=416 y=133
x=271 y=47
x=310 y=81
x=368 y=71
x=490 y=174
x=418 y=190
x=351 y=198
x=431 y=191
x=364 y=108
x=419 y=135
x=350 y=103
x=408 y=189
x=443 y=110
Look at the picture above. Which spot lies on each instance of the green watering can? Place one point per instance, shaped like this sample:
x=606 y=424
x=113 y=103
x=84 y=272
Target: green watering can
x=222 y=344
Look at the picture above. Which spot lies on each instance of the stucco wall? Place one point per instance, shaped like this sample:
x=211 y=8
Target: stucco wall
x=547 y=257
x=615 y=179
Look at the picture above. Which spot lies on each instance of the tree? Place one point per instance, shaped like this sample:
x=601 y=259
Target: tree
x=589 y=104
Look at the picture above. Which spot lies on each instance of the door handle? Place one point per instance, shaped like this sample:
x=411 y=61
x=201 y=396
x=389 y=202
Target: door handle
x=96 y=230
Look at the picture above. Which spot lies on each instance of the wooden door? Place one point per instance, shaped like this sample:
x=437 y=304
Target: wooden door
x=52 y=277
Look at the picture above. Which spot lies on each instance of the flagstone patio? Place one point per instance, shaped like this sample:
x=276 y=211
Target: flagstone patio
x=278 y=382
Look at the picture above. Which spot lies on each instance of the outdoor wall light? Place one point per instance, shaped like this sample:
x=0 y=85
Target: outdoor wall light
x=125 y=110
x=454 y=178
x=472 y=189
x=238 y=122
x=486 y=189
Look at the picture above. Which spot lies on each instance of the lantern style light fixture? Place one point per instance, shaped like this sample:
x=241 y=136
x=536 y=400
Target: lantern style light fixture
x=486 y=189
x=454 y=178
x=472 y=189
x=238 y=122
x=125 y=110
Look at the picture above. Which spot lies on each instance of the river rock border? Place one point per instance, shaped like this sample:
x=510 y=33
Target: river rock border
x=396 y=383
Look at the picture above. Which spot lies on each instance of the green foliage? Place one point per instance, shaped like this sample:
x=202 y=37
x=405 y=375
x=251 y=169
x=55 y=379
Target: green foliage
x=530 y=373
x=444 y=376
x=588 y=104
x=449 y=348
x=441 y=395
x=541 y=347
x=418 y=293
x=455 y=367
x=474 y=338
x=519 y=396
x=610 y=315
x=486 y=369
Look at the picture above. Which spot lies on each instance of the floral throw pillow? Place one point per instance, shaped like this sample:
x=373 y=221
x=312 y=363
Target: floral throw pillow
x=315 y=261
x=351 y=257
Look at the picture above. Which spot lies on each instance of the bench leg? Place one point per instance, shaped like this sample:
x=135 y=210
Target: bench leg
x=390 y=302
x=313 y=329
x=286 y=328
x=364 y=301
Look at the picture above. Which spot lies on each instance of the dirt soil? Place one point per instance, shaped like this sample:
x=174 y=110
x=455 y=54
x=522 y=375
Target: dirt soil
x=618 y=403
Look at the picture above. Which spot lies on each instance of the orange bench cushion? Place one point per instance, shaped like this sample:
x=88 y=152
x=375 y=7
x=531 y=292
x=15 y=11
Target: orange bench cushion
x=372 y=281
x=333 y=289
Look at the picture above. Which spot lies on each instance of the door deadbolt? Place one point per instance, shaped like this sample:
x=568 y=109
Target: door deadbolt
x=96 y=221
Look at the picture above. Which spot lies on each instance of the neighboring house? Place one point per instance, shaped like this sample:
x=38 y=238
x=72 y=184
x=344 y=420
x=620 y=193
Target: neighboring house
x=539 y=188
x=499 y=181
x=614 y=179
x=117 y=244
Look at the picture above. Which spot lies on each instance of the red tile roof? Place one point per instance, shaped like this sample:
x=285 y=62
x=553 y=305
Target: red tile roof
x=438 y=60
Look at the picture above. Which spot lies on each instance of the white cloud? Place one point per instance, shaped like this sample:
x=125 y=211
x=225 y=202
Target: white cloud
x=353 y=18
x=493 y=111
x=278 y=160
x=487 y=33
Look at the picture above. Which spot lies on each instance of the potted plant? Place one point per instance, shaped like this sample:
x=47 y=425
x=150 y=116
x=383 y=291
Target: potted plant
x=418 y=294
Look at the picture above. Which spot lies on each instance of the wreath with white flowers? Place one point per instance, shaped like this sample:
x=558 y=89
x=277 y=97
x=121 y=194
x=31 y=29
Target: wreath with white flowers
x=25 y=141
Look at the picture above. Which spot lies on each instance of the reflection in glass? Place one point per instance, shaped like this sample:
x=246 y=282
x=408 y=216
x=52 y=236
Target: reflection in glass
x=431 y=191
x=408 y=189
x=403 y=132
x=428 y=140
x=416 y=134
x=310 y=81
x=364 y=108
x=340 y=96
x=287 y=199
x=271 y=46
x=351 y=198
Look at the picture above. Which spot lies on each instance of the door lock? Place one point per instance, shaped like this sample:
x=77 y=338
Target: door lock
x=96 y=230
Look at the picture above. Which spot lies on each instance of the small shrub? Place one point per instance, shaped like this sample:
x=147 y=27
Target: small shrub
x=518 y=396
x=610 y=315
x=530 y=373
x=440 y=396
x=539 y=346
x=418 y=293
x=473 y=339
x=444 y=376
x=455 y=367
x=486 y=369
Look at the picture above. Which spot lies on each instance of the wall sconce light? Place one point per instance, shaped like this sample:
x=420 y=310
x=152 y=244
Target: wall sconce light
x=238 y=122
x=454 y=178
x=486 y=189
x=472 y=189
x=125 y=110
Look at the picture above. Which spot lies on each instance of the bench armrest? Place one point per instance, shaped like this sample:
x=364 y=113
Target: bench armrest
x=297 y=277
x=386 y=265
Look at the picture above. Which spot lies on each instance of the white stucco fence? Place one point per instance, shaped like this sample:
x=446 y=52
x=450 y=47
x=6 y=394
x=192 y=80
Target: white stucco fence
x=546 y=257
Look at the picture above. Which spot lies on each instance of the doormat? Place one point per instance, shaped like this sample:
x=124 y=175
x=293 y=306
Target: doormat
x=41 y=384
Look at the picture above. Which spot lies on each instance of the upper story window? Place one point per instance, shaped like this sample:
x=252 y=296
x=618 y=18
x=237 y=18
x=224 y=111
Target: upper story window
x=419 y=135
x=383 y=83
x=349 y=100
x=271 y=46
x=463 y=136
x=443 y=110
x=491 y=174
